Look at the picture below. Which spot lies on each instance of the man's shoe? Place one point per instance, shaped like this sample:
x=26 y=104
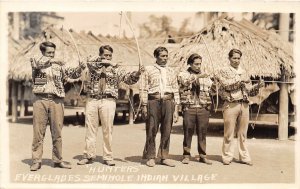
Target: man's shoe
x=35 y=166
x=226 y=162
x=205 y=160
x=62 y=165
x=85 y=161
x=186 y=160
x=109 y=162
x=150 y=163
x=167 y=162
x=247 y=163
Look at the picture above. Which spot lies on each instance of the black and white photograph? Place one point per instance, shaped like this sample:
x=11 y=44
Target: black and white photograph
x=165 y=94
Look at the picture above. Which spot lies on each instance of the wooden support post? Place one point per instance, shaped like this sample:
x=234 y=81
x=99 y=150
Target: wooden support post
x=14 y=97
x=26 y=104
x=22 y=101
x=283 y=95
x=283 y=118
x=8 y=97
x=129 y=106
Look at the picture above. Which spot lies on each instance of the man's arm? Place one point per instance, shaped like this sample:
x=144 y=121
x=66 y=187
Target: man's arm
x=253 y=90
x=130 y=78
x=144 y=87
x=185 y=78
x=74 y=73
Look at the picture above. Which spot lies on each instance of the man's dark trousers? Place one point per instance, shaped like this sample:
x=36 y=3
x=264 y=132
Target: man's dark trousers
x=160 y=112
x=199 y=118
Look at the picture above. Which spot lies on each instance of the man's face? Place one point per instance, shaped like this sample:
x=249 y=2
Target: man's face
x=107 y=55
x=162 y=58
x=235 y=60
x=49 y=52
x=196 y=64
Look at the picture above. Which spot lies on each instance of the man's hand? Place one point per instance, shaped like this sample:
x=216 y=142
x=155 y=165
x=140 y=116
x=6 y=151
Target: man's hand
x=202 y=75
x=175 y=114
x=92 y=58
x=261 y=83
x=141 y=70
x=242 y=84
x=82 y=65
x=33 y=62
x=144 y=112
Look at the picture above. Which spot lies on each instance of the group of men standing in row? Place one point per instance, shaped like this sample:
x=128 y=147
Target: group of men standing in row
x=163 y=91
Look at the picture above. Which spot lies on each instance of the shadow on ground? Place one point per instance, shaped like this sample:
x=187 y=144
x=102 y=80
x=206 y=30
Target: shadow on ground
x=258 y=131
x=47 y=162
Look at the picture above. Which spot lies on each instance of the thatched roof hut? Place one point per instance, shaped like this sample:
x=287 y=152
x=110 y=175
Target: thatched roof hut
x=125 y=51
x=264 y=52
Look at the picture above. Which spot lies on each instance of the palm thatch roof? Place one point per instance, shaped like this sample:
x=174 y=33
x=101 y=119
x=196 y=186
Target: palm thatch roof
x=264 y=52
x=125 y=51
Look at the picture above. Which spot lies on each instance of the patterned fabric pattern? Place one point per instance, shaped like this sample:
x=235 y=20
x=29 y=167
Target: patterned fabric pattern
x=49 y=74
x=194 y=91
x=113 y=76
x=235 y=84
x=151 y=83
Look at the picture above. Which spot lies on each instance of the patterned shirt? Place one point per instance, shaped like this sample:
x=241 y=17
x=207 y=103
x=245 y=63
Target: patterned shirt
x=49 y=74
x=104 y=79
x=159 y=80
x=235 y=84
x=193 y=90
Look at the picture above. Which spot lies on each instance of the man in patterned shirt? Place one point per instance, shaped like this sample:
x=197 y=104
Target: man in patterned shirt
x=196 y=105
x=48 y=75
x=235 y=88
x=160 y=97
x=101 y=85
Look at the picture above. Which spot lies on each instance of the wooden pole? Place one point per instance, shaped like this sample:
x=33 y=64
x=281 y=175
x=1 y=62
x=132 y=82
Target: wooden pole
x=283 y=95
x=130 y=109
x=16 y=25
x=14 y=97
x=8 y=97
x=22 y=101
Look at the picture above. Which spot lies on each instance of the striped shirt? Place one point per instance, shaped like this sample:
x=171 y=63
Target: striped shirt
x=159 y=80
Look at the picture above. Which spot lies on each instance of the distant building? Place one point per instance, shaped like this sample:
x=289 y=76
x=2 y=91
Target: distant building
x=30 y=24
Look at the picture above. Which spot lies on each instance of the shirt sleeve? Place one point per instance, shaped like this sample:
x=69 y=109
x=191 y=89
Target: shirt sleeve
x=144 y=87
x=252 y=90
x=175 y=88
x=186 y=79
x=72 y=73
x=129 y=78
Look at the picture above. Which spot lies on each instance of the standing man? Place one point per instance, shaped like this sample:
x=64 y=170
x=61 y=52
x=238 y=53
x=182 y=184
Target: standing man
x=235 y=87
x=196 y=104
x=101 y=85
x=48 y=75
x=160 y=97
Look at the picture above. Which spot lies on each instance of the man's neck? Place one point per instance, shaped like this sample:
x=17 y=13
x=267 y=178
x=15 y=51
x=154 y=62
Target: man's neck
x=235 y=67
x=190 y=69
x=161 y=65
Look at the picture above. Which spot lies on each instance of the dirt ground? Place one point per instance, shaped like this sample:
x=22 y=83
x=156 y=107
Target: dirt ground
x=274 y=160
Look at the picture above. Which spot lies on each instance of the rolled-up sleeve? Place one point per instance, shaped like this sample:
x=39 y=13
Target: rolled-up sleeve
x=144 y=87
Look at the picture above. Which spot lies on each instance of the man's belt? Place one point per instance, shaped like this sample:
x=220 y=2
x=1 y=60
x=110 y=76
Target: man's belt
x=196 y=105
x=239 y=101
x=100 y=96
x=47 y=96
x=157 y=96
